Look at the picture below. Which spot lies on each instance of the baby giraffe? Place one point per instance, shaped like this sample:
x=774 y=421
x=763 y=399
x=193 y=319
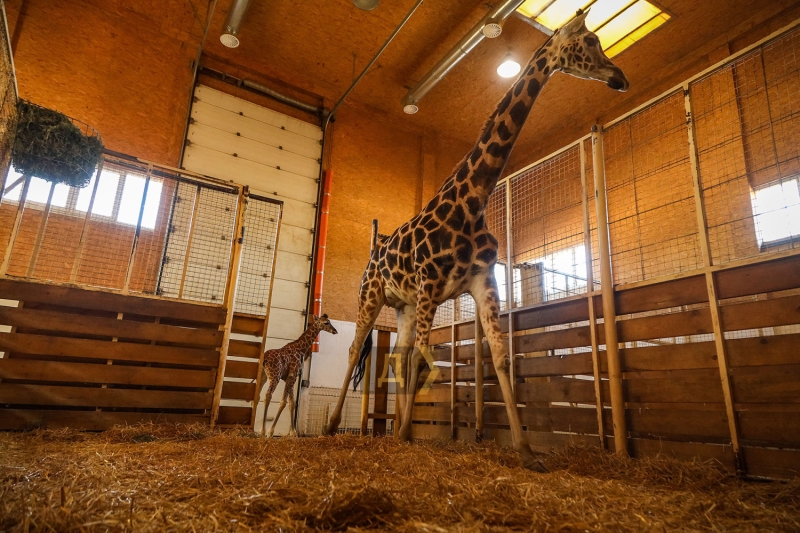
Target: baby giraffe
x=284 y=363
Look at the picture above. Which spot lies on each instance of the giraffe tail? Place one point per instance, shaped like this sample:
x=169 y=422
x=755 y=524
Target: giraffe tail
x=358 y=373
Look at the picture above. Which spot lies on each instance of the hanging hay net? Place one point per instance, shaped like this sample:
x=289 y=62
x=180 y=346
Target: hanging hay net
x=193 y=478
x=54 y=147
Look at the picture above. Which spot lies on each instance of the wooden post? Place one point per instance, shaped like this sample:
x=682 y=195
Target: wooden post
x=76 y=263
x=40 y=233
x=257 y=395
x=607 y=289
x=135 y=246
x=510 y=288
x=478 y=379
x=381 y=385
x=365 y=382
x=23 y=197
x=230 y=298
x=189 y=238
x=713 y=300
x=587 y=244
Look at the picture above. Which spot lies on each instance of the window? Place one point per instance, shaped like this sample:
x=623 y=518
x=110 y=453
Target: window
x=617 y=23
x=118 y=196
x=776 y=210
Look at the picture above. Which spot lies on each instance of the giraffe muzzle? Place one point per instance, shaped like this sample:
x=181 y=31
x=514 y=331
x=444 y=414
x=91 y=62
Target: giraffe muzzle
x=618 y=82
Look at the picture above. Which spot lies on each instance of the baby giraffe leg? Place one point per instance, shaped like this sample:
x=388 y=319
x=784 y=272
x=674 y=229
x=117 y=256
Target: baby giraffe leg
x=288 y=394
x=278 y=414
x=273 y=383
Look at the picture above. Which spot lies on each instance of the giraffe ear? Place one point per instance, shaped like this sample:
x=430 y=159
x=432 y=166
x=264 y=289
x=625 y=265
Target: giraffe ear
x=576 y=25
x=325 y=316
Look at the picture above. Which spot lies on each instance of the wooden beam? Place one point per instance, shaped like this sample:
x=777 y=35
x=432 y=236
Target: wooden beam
x=607 y=288
x=713 y=299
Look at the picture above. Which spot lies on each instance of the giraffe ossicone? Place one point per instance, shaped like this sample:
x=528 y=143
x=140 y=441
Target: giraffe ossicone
x=446 y=250
x=285 y=363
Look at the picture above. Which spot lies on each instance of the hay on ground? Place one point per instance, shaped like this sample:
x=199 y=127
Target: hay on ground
x=193 y=478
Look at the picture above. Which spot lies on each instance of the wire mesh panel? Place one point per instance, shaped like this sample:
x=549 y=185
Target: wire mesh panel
x=8 y=103
x=258 y=253
x=547 y=227
x=746 y=120
x=496 y=222
x=651 y=209
x=591 y=208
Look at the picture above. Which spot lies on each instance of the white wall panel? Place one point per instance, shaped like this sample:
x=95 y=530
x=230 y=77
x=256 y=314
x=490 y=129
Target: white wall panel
x=292 y=267
x=285 y=323
x=289 y=294
x=295 y=240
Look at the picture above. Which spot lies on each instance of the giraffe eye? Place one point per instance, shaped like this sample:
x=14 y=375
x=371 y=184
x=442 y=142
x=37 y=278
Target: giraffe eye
x=591 y=41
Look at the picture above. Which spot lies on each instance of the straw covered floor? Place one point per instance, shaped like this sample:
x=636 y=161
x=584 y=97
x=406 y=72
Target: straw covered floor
x=192 y=478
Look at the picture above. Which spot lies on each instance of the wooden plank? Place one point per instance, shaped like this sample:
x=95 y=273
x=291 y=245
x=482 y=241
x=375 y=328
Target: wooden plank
x=686 y=451
x=108 y=301
x=465 y=331
x=441 y=335
x=431 y=413
x=666 y=390
x=233 y=415
x=540 y=441
x=53 y=321
x=674 y=293
x=241 y=369
x=551 y=314
x=20 y=419
x=234 y=390
x=17 y=394
x=761 y=314
x=668 y=357
x=564 y=419
x=244 y=348
x=772 y=463
x=551 y=340
x=767 y=384
x=694 y=322
x=247 y=324
x=657 y=423
x=434 y=394
x=771 y=276
x=105 y=350
x=21 y=369
x=557 y=365
x=568 y=390
x=761 y=351
x=772 y=429
x=431 y=431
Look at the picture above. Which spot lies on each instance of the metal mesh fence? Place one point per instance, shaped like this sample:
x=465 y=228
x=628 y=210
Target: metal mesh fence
x=496 y=222
x=547 y=229
x=651 y=205
x=140 y=229
x=258 y=251
x=746 y=120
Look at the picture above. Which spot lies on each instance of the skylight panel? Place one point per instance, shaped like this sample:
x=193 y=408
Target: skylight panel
x=618 y=23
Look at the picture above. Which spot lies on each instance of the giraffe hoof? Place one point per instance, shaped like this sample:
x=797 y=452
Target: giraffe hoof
x=292 y=434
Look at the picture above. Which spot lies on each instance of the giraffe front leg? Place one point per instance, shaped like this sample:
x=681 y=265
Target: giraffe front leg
x=484 y=291
x=277 y=415
x=288 y=394
x=425 y=311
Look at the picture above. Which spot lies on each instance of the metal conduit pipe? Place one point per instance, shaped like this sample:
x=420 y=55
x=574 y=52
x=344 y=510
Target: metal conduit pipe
x=283 y=98
x=474 y=36
x=233 y=23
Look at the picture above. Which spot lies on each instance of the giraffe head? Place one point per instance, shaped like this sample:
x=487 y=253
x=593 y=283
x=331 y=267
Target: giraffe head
x=324 y=324
x=577 y=51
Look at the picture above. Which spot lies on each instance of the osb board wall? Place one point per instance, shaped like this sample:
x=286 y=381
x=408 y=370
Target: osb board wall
x=122 y=67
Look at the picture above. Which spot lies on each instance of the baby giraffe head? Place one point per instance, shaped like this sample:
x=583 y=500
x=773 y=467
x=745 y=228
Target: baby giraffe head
x=577 y=51
x=324 y=324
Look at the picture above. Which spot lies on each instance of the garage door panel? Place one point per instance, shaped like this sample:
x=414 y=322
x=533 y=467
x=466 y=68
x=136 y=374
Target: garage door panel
x=285 y=324
x=249 y=128
x=257 y=112
x=281 y=184
x=295 y=213
x=289 y=294
x=295 y=240
x=292 y=267
x=251 y=150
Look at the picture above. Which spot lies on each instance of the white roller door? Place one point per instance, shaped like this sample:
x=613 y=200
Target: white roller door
x=279 y=157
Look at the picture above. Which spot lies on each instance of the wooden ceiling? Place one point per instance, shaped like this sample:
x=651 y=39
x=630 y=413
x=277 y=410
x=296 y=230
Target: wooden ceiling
x=320 y=45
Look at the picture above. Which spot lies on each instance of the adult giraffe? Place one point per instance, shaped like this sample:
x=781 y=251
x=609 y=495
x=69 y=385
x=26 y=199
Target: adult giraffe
x=447 y=250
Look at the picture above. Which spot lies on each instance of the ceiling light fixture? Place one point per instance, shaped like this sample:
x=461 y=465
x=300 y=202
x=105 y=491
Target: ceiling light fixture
x=410 y=109
x=366 y=5
x=492 y=28
x=508 y=68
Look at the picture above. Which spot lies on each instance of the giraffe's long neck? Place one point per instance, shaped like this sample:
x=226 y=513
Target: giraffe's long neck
x=482 y=166
x=307 y=338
